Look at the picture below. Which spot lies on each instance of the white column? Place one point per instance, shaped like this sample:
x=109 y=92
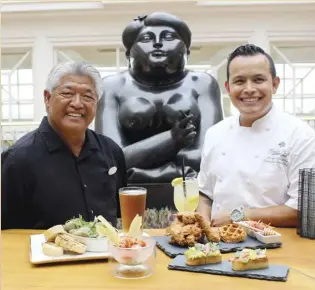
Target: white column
x=42 y=63
x=260 y=38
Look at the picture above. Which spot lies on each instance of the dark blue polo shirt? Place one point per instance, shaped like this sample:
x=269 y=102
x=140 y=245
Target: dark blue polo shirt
x=45 y=184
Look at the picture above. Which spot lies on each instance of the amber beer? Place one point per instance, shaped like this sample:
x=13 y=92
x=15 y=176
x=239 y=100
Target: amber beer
x=132 y=202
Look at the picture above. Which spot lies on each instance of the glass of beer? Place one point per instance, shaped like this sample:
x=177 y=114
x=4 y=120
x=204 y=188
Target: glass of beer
x=132 y=202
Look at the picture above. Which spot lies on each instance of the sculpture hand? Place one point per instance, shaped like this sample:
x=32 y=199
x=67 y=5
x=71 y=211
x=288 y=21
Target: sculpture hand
x=183 y=132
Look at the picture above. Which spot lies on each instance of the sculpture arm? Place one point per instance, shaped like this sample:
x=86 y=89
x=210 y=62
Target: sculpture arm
x=151 y=152
x=209 y=102
x=106 y=121
x=143 y=154
x=160 y=148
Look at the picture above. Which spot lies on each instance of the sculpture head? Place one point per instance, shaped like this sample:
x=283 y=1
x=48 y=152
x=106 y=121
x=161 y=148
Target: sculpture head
x=159 y=41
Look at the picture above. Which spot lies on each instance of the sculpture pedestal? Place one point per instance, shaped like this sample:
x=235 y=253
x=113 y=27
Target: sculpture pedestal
x=159 y=195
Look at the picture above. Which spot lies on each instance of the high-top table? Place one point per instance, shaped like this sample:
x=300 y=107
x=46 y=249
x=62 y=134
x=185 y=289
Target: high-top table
x=19 y=274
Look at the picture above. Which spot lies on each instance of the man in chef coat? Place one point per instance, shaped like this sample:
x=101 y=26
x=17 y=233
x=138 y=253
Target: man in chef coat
x=250 y=162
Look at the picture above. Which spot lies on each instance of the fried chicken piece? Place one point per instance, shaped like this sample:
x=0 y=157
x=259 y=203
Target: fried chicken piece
x=212 y=234
x=187 y=218
x=185 y=235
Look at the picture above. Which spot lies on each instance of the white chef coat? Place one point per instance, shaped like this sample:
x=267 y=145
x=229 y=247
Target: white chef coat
x=255 y=166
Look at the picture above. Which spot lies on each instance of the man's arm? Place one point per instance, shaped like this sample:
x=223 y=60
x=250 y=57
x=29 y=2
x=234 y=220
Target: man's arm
x=13 y=192
x=205 y=205
x=278 y=216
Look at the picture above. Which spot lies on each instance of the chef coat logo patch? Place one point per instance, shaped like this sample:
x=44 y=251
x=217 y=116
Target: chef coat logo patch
x=278 y=155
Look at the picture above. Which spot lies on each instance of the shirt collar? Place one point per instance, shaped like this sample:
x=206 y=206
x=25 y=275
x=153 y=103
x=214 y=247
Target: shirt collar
x=54 y=142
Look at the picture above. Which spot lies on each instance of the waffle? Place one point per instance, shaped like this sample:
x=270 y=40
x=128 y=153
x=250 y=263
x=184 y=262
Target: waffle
x=232 y=233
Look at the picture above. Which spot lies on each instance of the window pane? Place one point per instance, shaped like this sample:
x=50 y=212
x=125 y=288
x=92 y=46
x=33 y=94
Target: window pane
x=309 y=106
x=279 y=70
x=278 y=103
x=4 y=79
x=27 y=111
x=26 y=92
x=25 y=76
x=301 y=72
x=288 y=71
x=4 y=94
x=14 y=92
x=288 y=106
x=15 y=112
x=14 y=78
x=5 y=112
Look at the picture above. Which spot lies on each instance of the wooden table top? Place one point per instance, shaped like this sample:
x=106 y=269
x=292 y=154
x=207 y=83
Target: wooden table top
x=18 y=273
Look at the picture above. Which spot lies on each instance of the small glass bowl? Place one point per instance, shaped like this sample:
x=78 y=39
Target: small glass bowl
x=133 y=256
x=133 y=263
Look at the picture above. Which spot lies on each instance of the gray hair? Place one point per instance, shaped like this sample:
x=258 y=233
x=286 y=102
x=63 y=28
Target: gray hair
x=75 y=68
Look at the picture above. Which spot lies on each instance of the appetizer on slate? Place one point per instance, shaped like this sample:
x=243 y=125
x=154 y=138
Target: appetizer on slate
x=248 y=259
x=203 y=254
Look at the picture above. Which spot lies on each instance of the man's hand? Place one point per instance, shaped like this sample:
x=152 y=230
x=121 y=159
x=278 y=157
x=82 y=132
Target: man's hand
x=221 y=218
x=205 y=205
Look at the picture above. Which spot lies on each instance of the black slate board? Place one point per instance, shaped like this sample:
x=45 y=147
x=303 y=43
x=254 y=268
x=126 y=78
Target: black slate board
x=251 y=243
x=272 y=273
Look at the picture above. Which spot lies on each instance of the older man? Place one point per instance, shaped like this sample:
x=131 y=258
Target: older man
x=63 y=169
x=250 y=162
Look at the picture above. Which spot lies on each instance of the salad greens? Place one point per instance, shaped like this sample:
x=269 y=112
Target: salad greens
x=80 y=227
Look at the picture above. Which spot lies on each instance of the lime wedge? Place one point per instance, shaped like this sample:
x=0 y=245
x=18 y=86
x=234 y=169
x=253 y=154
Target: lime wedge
x=192 y=199
x=106 y=229
x=177 y=181
x=135 y=227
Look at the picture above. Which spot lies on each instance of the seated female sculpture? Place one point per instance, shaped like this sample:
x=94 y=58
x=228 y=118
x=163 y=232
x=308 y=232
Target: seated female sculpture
x=157 y=110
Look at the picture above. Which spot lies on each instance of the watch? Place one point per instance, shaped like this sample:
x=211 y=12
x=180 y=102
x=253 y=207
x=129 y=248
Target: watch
x=237 y=214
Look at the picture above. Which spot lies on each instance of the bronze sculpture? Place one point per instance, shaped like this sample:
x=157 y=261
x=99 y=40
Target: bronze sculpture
x=157 y=110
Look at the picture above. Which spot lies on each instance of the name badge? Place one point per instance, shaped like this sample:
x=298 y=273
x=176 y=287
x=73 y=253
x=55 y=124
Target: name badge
x=112 y=170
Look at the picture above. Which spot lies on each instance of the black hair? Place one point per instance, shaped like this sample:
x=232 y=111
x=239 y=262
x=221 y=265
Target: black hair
x=250 y=50
x=131 y=32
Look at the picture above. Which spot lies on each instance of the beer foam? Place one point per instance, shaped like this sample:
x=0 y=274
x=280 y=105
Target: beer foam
x=133 y=192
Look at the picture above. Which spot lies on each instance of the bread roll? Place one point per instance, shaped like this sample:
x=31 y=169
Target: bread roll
x=52 y=250
x=52 y=232
x=68 y=243
x=250 y=265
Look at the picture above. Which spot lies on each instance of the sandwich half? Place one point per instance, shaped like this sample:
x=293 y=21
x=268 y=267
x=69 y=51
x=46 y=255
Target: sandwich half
x=203 y=254
x=248 y=259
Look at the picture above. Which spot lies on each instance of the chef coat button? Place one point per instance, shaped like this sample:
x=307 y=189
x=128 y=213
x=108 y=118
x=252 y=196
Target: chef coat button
x=267 y=129
x=223 y=153
x=85 y=185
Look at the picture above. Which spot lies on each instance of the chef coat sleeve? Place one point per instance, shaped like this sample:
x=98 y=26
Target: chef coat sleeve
x=302 y=156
